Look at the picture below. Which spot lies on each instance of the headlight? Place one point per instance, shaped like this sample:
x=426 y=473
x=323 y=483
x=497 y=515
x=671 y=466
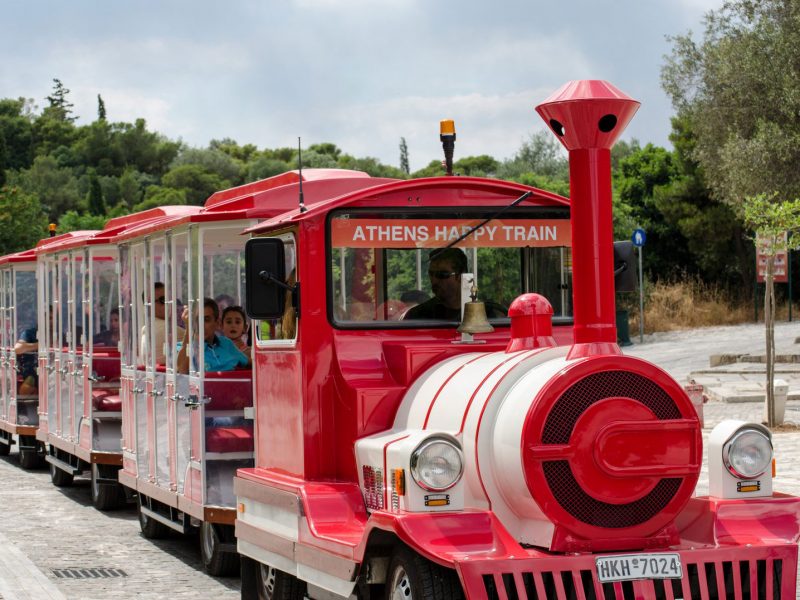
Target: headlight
x=747 y=453
x=436 y=464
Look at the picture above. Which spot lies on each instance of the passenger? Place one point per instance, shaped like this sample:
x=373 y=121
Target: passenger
x=110 y=336
x=219 y=353
x=413 y=297
x=159 y=327
x=26 y=348
x=234 y=327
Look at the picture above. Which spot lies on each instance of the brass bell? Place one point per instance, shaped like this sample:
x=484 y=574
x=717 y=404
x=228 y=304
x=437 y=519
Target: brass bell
x=475 y=319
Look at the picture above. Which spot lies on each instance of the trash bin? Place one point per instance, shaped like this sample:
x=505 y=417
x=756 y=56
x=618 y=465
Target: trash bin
x=623 y=329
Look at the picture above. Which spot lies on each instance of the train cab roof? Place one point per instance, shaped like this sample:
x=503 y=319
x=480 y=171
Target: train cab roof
x=449 y=191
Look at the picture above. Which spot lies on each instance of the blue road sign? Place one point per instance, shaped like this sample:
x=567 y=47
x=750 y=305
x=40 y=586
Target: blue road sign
x=639 y=237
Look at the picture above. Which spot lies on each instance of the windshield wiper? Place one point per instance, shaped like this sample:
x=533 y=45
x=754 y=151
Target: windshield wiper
x=493 y=216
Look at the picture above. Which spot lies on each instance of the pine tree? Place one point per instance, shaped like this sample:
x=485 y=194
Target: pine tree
x=97 y=205
x=59 y=103
x=101 y=108
x=404 y=166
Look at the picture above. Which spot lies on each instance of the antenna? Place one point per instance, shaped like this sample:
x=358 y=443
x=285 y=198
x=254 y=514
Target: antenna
x=300 y=169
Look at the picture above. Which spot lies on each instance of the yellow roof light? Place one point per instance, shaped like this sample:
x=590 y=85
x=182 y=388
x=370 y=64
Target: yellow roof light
x=447 y=127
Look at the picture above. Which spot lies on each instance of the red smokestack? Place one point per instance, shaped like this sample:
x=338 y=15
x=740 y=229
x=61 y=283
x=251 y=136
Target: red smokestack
x=588 y=118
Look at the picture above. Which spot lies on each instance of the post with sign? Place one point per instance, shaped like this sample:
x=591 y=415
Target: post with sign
x=638 y=238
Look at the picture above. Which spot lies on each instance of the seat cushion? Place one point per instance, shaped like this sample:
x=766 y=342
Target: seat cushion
x=106 y=401
x=229 y=439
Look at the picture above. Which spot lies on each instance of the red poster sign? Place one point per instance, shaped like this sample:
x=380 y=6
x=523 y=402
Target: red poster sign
x=781 y=268
x=427 y=233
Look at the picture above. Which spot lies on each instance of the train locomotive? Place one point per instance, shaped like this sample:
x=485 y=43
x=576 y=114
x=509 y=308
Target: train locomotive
x=437 y=405
x=411 y=462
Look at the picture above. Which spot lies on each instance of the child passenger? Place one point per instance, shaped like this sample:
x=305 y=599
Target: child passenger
x=234 y=327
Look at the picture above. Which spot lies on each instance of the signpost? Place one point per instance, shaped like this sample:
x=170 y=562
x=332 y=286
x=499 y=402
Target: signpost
x=638 y=238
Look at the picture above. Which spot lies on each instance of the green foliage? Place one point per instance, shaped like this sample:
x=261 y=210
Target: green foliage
x=770 y=218
x=17 y=130
x=101 y=108
x=326 y=148
x=541 y=154
x=55 y=187
x=94 y=199
x=22 y=220
x=212 y=161
x=476 y=166
x=263 y=166
x=196 y=182
x=433 y=169
x=738 y=86
x=73 y=221
x=156 y=196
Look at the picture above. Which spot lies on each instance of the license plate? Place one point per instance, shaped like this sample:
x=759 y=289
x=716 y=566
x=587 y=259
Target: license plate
x=626 y=567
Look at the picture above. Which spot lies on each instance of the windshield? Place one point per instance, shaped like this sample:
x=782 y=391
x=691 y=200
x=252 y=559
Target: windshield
x=395 y=269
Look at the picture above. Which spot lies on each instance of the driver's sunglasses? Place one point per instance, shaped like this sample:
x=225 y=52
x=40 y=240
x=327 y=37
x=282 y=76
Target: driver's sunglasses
x=161 y=300
x=441 y=274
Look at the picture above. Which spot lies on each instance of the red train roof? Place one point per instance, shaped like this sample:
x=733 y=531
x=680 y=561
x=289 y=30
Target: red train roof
x=502 y=189
x=19 y=257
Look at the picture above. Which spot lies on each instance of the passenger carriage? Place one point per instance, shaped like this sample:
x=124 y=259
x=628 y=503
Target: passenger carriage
x=413 y=457
x=186 y=434
x=81 y=415
x=19 y=393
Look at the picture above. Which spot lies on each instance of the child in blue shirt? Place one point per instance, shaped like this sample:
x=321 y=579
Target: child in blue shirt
x=219 y=353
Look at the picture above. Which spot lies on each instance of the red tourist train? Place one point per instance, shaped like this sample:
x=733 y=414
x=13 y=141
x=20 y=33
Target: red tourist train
x=436 y=405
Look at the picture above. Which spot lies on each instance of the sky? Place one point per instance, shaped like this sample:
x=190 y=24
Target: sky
x=358 y=73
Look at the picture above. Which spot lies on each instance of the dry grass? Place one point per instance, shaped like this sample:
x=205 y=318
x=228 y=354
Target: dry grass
x=685 y=305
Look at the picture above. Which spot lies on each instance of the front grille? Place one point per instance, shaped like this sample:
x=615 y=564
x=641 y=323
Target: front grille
x=758 y=579
x=572 y=498
x=599 y=386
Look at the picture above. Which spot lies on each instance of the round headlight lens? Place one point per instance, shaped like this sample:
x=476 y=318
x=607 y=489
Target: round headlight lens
x=747 y=454
x=436 y=465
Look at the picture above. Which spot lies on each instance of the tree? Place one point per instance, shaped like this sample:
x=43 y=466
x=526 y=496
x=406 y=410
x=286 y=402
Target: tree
x=55 y=187
x=540 y=154
x=213 y=161
x=772 y=220
x=404 y=165
x=196 y=183
x=734 y=85
x=22 y=220
x=16 y=127
x=74 y=221
x=94 y=199
x=59 y=105
x=101 y=108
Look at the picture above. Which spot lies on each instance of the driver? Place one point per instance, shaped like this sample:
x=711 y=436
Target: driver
x=445 y=270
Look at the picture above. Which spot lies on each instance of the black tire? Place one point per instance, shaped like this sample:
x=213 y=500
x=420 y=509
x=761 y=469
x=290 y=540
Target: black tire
x=60 y=478
x=412 y=577
x=30 y=459
x=106 y=496
x=272 y=584
x=151 y=529
x=216 y=562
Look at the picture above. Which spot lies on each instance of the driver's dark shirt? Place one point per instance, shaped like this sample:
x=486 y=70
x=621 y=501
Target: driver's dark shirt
x=433 y=309
x=27 y=362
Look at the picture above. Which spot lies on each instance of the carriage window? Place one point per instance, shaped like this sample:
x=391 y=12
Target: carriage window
x=399 y=267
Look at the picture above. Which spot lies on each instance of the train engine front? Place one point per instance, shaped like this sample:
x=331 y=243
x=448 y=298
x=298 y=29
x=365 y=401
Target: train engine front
x=557 y=470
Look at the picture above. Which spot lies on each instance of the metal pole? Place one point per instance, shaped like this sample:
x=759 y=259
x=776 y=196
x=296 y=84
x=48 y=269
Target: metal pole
x=641 y=298
x=789 y=267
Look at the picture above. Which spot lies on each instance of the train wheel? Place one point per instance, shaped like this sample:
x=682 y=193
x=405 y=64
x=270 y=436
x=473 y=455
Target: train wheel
x=411 y=577
x=60 y=478
x=277 y=585
x=29 y=458
x=151 y=529
x=216 y=561
x=105 y=496
x=5 y=448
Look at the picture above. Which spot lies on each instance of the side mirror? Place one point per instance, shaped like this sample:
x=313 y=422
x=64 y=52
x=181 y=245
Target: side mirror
x=624 y=271
x=265 y=271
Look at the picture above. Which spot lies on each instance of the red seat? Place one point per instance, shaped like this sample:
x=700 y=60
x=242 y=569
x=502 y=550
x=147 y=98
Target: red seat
x=229 y=439
x=106 y=401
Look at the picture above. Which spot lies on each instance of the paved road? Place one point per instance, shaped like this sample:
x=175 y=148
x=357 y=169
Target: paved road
x=48 y=536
